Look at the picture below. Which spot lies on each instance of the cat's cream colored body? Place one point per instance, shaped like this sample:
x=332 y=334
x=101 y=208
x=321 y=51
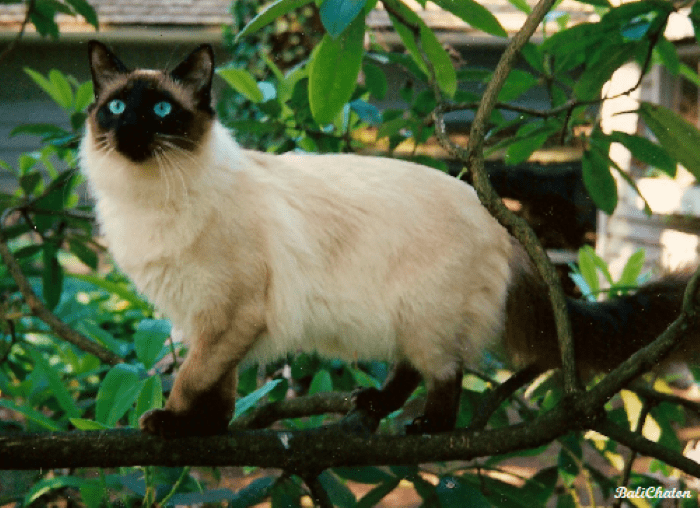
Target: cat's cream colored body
x=354 y=257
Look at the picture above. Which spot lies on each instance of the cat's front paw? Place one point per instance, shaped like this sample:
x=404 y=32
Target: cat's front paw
x=166 y=423
x=367 y=399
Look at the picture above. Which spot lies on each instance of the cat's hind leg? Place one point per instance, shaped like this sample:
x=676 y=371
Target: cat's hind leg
x=397 y=388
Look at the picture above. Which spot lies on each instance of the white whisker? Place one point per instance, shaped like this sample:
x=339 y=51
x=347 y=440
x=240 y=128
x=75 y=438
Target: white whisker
x=162 y=171
x=170 y=157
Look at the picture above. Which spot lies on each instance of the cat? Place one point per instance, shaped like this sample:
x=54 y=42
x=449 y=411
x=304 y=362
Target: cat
x=253 y=255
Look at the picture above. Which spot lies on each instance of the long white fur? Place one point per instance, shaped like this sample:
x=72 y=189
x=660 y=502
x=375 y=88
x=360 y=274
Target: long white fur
x=358 y=257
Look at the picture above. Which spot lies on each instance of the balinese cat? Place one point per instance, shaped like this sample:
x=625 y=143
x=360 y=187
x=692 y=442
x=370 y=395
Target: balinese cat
x=253 y=255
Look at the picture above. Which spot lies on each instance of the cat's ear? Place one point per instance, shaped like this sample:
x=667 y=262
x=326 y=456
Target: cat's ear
x=195 y=73
x=104 y=65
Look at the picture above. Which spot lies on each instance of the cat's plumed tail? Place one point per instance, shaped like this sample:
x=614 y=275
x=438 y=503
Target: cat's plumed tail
x=604 y=333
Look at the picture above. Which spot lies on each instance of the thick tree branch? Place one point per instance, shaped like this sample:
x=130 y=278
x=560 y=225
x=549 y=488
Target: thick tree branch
x=293 y=451
x=333 y=445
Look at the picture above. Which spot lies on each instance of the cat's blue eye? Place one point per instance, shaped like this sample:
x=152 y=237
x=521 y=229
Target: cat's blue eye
x=116 y=107
x=163 y=109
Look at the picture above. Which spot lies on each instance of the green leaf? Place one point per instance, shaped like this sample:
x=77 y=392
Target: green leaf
x=336 y=15
x=151 y=396
x=47 y=485
x=529 y=138
x=440 y=60
x=85 y=10
x=29 y=182
x=92 y=493
x=599 y=181
x=84 y=96
x=243 y=82
x=668 y=55
x=368 y=475
x=340 y=494
x=367 y=112
x=48 y=86
x=83 y=252
x=587 y=267
x=83 y=424
x=52 y=276
x=45 y=130
x=118 y=391
x=392 y=127
x=474 y=14
x=33 y=416
x=597 y=3
x=375 y=80
x=63 y=89
x=269 y=14
x=600 y=69
x=567 y=463
x=674 y=134
x=103 y=337
x=363 y=379
x=374 y=496
x=321 y=382
x=55 y=383
x=42 y=16
x=149 y=338
x=632 y=269
x=521 y=5
x=646 y=151
x=286 y=493
x=453 y=491
x=333 y=71
x=245 y=403
x=517 y=83
x=408 y=38
x=695 y=19
x=114 y=288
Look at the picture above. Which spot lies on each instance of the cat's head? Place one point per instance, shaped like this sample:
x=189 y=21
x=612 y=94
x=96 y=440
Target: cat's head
x=146 y=114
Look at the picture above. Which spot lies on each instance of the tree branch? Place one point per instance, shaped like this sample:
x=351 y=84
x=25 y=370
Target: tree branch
x=317 y=404
x=38 y=309
x=333 y=445
x=11 y=47
x=293 y=451
x=474 y=158
x=639 y=443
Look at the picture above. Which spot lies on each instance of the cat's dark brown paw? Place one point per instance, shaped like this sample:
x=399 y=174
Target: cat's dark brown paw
x=165 y=423
x=425 y=425
x=370 y=400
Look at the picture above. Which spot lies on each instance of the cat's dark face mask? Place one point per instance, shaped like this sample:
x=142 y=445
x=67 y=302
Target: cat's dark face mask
x=151 y=114
x=146 y=121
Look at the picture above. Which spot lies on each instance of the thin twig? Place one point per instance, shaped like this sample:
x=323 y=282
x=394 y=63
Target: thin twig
x=318 y=493
x=13 y=340
x=627 y=471
x=647 y=393
x=474 y=158
x=23 y=27
x=649 y=448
